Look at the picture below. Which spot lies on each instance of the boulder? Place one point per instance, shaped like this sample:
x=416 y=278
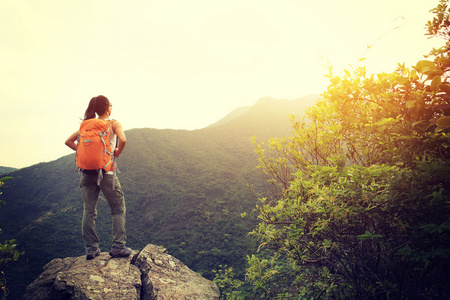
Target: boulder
x=146 y=275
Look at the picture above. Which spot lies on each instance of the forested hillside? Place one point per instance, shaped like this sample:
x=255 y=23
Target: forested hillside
x=185 y=190
x=4 y=170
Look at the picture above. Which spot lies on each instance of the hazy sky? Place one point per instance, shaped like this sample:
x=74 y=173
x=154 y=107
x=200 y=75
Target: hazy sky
x=181 y=64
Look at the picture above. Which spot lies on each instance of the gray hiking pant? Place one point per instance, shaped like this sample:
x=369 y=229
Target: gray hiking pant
x=90 y=191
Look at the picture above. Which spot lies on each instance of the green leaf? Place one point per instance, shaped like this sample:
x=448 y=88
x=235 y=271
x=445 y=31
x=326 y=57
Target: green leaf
x=386 y=121
x=5 y=178
x=435 y=83
x=444 y=61
x=347 y=73
x=444 y=108
x=368 y=236
x=443 y=122
x=406 y=250
x=425 y=66
x=410 y=103
x=445 y=87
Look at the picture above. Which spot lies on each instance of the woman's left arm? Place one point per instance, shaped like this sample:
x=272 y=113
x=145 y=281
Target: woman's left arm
x=118 y=130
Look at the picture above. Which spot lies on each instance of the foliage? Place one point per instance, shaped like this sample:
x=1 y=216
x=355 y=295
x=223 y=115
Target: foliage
x=8 y=252
x=230 y=287
x=439 y=26
x=4 y=170
x=350 y=233
x=359 y=200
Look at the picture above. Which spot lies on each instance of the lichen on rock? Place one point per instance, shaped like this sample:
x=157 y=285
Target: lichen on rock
x=146 y=275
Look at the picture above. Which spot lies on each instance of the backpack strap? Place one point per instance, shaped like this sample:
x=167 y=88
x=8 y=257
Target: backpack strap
x=112 y=153
x=115 y=164
x=99 y=176
x=103 y=135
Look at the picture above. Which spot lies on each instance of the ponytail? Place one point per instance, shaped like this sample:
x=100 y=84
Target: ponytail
x=97 y=105
x=90 y=111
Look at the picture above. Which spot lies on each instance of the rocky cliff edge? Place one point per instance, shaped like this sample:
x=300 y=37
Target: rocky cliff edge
x=146 y=275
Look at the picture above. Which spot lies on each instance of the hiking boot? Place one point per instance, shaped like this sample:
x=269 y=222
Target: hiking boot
x=90 y=254
x=119 y=252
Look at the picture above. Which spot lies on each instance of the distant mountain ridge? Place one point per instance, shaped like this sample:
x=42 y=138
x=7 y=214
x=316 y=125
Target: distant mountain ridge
x=185 y=190
x=267 y=109
x=228 y=118
x=4 y=170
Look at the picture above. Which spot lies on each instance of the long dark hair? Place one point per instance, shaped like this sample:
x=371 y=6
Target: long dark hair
x=97 y=105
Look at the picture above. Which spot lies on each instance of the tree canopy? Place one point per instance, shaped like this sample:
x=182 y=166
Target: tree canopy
x=359 y=198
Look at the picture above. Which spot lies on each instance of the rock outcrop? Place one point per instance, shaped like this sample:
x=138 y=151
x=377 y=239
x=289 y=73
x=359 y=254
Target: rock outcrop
x=145 y=275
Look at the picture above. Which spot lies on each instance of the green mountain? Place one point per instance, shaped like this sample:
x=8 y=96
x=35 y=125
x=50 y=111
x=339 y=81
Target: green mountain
x=235 y=113
x=4 y=170
x=185 y=190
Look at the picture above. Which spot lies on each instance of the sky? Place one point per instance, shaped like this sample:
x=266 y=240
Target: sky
x=182 y=64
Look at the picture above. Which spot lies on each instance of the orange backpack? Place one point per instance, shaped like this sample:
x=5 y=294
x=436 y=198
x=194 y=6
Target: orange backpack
x=94 y=150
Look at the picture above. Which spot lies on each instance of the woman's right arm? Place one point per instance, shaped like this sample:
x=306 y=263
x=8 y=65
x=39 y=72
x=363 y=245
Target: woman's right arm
x=70 y=142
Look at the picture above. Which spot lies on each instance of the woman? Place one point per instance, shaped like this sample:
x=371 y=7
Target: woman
x=90 y=187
